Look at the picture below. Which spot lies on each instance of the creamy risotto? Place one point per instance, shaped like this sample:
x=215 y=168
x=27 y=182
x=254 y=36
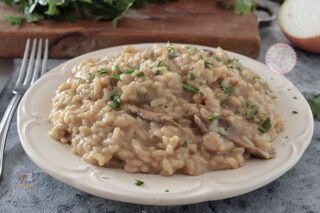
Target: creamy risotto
x=166 y=110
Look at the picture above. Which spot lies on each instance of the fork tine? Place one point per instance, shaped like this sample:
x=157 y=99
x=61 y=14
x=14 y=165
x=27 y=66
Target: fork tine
x=45 y=58
x=38 y=60
x=31 y=63
x=23 y=64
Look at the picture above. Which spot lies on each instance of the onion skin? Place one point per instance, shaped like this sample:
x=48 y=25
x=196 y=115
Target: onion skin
x=309 y=44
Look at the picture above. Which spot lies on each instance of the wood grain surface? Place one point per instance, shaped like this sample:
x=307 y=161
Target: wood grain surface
x=185 y=21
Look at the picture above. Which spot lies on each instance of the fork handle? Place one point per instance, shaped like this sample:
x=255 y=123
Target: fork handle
x=5 y=123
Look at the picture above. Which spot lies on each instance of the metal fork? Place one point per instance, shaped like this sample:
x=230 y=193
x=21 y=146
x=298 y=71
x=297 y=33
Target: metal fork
x=25 y=79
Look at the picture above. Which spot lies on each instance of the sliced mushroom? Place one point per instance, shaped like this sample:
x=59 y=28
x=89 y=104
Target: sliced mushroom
x=200 y=123
x=258 y=152
x=151 y=116
x=236 y=130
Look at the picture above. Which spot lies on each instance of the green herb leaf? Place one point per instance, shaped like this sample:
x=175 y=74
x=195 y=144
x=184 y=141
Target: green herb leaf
x=115 y=99
x=157 y=72
x=185 y=143
x=207 y=64
x=140 y=74
x=201 y=95
x=172 y=51
x=115 y=76
x=186 y=112
x=192 y=76
x=226 y=127
x=218 y=58
x=294 y=112
x=212 y=118
x=165 y=106
x=225 y=102
x=91 y=75
x=167 y=190
x=227 y=90
x=221 y=134
x=139 y=182
x=314 y=103
x=185 y=117
x=14 y=20
x=243 y=7
x=190 y=88
x=117 y=68
x=102 y=71
x=266 y=125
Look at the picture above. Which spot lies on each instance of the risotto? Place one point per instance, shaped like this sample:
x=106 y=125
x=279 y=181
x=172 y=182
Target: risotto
x=166 y=110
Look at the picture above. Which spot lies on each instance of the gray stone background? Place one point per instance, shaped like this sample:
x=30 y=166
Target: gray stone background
x=296 y=191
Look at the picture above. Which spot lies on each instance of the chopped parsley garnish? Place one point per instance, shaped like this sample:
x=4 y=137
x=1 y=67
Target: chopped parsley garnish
x=102 y=71
x=158 y=62
x=167 y=190
x=221 y=134
x=218 y=59
x=237 y=112
x=140 y=74
x=130 y=71
x=266 y=125
x=190 y=88
x=255 y=77
x=201 y=95
x=115 y=99
x=115 y=76
x=66 y=92
x=192 y=48
x=266 y=85
x=232 y=60
x=91 y=75
x=185 y=143
x=185 y=117
x=157 y=72
x=111 y=83
x=139 y=182
x=166 y=106
x=226 y=127
x=172 y=51
x=226 y=90
x=295 y=97
x=212 y=118
x=186 y=112
x=80 y=81
x=192 y=76
x=164 y=66
x=294 y=112
x=207 y=64
x=105 y=178
x=117 y=68
x=225 y=102
x=230 y=66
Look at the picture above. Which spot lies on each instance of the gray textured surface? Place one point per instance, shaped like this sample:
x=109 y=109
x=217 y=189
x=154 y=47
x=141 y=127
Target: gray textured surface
x=296 y=191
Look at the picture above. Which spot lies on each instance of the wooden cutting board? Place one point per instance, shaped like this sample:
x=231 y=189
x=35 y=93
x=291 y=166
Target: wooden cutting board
x=184 y=21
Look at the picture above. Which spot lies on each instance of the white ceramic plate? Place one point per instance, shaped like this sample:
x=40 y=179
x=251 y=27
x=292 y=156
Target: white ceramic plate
x=57 y=160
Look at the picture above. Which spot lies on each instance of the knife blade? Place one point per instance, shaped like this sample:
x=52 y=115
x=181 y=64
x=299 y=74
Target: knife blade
x=6 y=68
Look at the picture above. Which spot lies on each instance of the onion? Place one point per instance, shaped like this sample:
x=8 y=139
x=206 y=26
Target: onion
x=299 y=20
